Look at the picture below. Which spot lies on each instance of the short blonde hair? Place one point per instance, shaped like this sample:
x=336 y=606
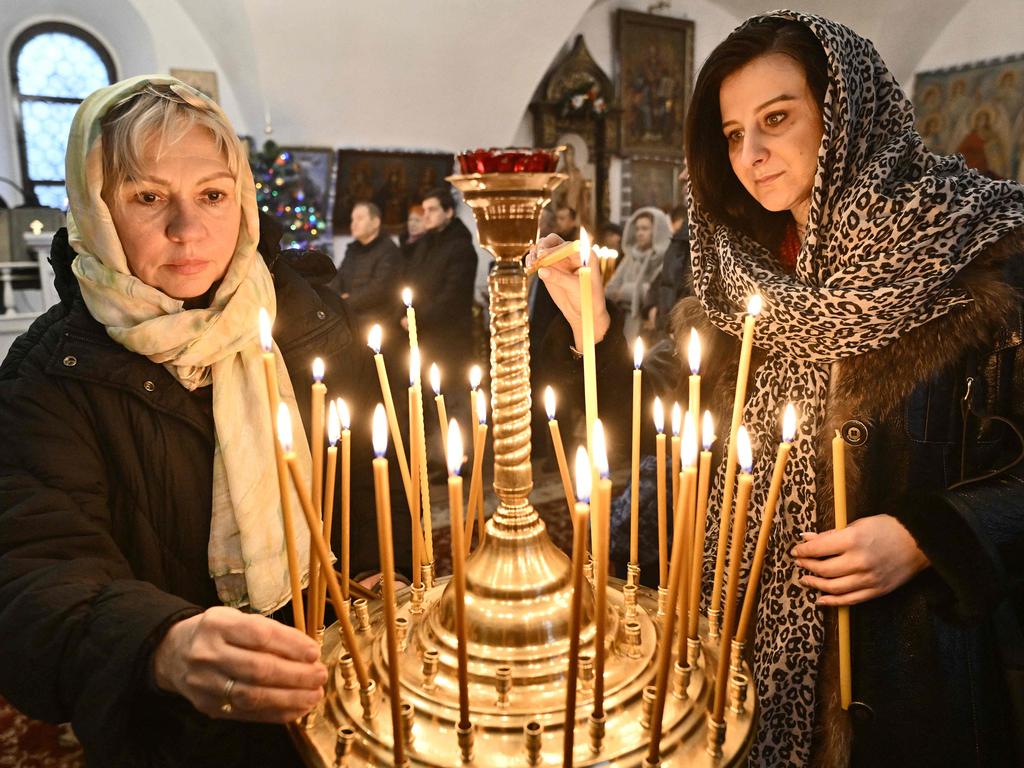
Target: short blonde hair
x=165 y=113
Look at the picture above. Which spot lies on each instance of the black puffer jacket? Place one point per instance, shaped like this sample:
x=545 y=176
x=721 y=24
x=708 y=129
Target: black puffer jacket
x=105 y=500
x=368 y=278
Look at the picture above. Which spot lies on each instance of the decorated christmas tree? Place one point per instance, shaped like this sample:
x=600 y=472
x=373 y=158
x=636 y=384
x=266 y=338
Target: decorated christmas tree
x=285 y=191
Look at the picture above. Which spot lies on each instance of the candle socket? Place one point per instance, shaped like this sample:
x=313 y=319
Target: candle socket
x=629 y=601
x=716 y=737
x=362 y=614
x=320 y=634
x=597 y=723
x=633 y=574
x=651 y=762
x=681 y=680
x=343 y=747
x=631 y=646
x=348 y=671
x=408 y=721
x=431 y=661
x=737 y=693
x=662 y=601
x=368 y=700
x=427 y=575
x=736 y=657
x=465 y=733
x=533 y=733
x=503 y=685
x=714 y=624
x=692 y=651
x=588 y=570
x=309 y=719
x=401 y=631
x=586 y=671
x=416 y=604
x=650 y=692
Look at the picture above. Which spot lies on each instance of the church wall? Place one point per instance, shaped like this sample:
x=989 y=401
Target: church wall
x=982 y=29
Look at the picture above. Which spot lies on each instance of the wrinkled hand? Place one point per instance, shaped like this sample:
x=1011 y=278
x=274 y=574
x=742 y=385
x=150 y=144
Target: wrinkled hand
x=277 y=670
x=564 y=287
x=869 y=558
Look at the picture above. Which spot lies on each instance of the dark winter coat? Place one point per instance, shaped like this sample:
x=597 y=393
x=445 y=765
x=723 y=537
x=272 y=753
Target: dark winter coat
x=937 y=663
x=441 y=273
x=105 y=503
x=369 y=275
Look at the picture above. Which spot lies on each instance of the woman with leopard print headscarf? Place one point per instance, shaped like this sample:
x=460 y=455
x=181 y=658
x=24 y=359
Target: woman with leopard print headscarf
x=891 y=282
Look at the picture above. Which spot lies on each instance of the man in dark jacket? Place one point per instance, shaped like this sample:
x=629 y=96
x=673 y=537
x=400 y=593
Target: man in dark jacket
x=673 y=283
x=368 y=276
x=441 y=273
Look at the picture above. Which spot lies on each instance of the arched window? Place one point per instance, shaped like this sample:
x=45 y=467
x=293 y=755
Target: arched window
x=53 y=68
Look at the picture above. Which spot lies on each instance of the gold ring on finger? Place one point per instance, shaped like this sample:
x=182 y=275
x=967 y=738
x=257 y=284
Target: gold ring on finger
x=227 y=706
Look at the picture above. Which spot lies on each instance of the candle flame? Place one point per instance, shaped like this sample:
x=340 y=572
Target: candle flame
x=481 y=408
x=266 y=340
x=375 y=338
x=693 y=352
x=549 y=402
x=754 y=305
x=659 y=415
x=582 y=475
x=380 y=431
x=744 y=453
x=707 y=431
x=600 y=449
x=318 y=370
x=789 y=423
x=333 y=423
x=638 y=352
x=414 y=366
x=343 y=413
x=677 y=419
x=284 y=427
x=454 y=448
x=689 y=455
x=435 y=378
x=474 y=377
x=407 y=296
x=584 y=247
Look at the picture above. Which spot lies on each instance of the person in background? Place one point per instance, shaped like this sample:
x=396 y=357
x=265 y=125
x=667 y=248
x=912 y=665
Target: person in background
x=368 y=276
x=567 y=225
x=412 y=231
x=646 y=239
x=610 y=236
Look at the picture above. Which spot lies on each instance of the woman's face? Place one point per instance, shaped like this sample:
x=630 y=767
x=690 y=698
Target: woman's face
x=773 y=128
x=179 y=222
x=643 y=233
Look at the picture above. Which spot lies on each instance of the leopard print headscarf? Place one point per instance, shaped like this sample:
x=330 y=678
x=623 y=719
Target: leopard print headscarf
x=890 y=227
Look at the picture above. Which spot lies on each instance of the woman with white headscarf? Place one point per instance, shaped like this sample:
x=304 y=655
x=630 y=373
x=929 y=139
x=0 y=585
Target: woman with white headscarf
x=645 y=239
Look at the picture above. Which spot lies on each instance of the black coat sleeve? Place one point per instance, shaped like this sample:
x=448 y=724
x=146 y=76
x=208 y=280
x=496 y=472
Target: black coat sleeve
x=76 y=627
x=378 y=291
x=455 y=290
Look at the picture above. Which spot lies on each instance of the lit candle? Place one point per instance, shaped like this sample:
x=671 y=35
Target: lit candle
x=556 y=442
x=693 y=357
x=414 y=469
x=410 y=316
x=442 y=411
x=677 y=431
x=754 y=580
x=458 y=566
x=333 y=436
x=420 y=457
x=474 y=387
x=587 y=319
x=601 y=510
x=579 y=550
x=753 y=310
x=746 y=482
x=316 y=541
x=659 y=424
x=684 y=527
x=270 y=374
x=316 y=435
x=346 y=495
x=707 y=434
x=374 y=342
x=634 y=469
x=839 y=485
x=476 y=483
x=385 y=548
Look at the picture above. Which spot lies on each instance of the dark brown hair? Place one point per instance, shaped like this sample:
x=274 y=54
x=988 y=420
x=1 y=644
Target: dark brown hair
x=713 y=183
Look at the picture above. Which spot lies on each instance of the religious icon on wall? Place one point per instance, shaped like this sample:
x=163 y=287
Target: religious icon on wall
x=393 y=181
x=976 y=110
x=652 y=182
x=655 y=79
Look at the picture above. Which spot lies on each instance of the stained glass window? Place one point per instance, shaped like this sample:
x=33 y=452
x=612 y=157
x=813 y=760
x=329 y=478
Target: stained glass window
x=55 y=66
